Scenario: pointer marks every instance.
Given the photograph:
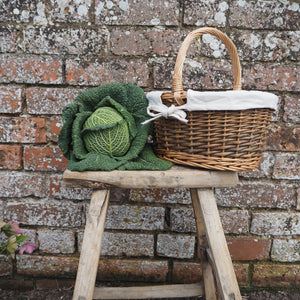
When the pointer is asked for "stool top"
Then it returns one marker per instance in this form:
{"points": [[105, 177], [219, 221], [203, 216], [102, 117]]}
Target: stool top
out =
{"points": [[176, 177]]}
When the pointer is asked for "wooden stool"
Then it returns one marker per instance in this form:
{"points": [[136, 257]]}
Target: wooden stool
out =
{"points": [[215, 257]]}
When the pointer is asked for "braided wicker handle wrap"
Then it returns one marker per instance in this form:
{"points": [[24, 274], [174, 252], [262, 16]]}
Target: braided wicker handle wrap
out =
{"points": [[177, 88]]}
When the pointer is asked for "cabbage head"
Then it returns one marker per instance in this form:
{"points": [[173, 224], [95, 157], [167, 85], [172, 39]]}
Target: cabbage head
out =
{"points": [[102, 130], [106, 132]]}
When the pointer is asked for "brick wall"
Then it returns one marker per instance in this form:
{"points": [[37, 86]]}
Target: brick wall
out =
{"points": [[51, 50]]}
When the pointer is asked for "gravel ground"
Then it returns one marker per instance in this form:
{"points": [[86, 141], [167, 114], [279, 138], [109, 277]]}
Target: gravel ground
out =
{"points": [[66, 294]]}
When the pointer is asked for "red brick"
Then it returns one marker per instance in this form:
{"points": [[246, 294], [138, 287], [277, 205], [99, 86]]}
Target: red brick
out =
{"points": [[18, 185], [132, 270], [265, 46], [178, 246], [241, 273], [71, 11], [269, 275], [291, 109], [10, 100], [235, 221], [275, 223], [197, 74], [6, 266], [44, 158], [264, 14], [30, 69], [10, 157], [54, 284], [130, 42], [165, 195], [278, 77], [98, 72], [23, 130], [286, 250], [45, 212], [298, 198], [283, 139], [11, 10], [16, 285], [47, 266], [56, 241], [287, 166], [59, 190], [248, 248], [141, 42], [56, 40], [182, 220], [256, 195], [49, 100], [186, 272], [264, 169], [8, 38], [156, 12], [135, 217], [54, 128], [205, 13], [127, 244]]}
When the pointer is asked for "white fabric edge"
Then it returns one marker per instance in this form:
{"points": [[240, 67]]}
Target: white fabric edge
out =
{"points": [[221, 100], [204, 101]]}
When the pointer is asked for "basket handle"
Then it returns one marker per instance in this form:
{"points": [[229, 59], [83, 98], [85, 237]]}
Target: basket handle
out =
{"points": [[177, 87]]}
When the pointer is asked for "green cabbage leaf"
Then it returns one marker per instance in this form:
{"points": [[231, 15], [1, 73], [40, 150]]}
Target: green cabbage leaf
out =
{"points": [[102, 131]]}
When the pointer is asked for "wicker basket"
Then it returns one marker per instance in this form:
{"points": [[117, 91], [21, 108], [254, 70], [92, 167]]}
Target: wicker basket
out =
{"points": [[219, 140]]}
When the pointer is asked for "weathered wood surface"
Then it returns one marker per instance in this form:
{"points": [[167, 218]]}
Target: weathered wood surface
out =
{"points": [[208, 277], [146, 292], [218, 249], [176, 177], [90, 250]]}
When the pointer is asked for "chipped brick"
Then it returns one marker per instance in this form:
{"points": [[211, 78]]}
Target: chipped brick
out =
{"points": [[59, 190], [8, 38]]}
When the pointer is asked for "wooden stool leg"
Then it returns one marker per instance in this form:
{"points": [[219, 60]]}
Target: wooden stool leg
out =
{"points": [[218, 249], [90, 250], [208, 277]]}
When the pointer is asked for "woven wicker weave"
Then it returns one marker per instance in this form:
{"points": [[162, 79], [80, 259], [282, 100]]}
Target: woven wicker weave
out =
{"points": [[219, 140]]}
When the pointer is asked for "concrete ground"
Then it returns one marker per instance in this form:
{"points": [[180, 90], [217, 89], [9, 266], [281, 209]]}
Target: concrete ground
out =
{"points": [[66, 294]]}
